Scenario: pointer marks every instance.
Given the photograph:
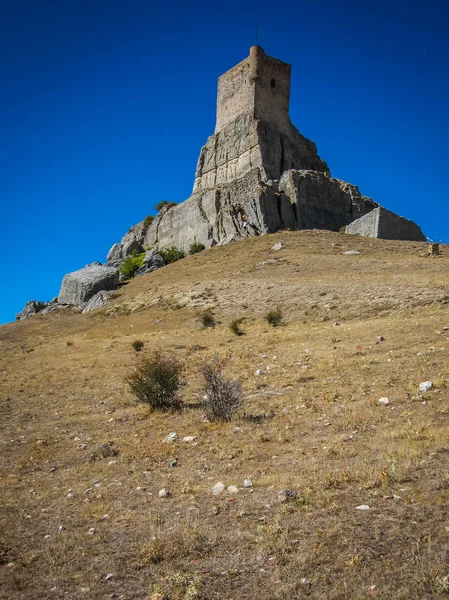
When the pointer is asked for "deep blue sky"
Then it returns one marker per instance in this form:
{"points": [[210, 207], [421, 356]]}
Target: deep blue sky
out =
{"points": [[104, 106]]}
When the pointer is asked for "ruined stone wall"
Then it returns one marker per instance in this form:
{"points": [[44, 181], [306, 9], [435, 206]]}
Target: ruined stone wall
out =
{"points": [[272, 96], [258, 86], [235, 95]]}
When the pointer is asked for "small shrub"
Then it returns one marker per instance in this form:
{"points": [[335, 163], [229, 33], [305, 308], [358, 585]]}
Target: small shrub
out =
{"points": [[171, 255], [196, 247], [137, 345], [160, 205], [147, 221], [235, 327], [207, 318], [274, 317], [223, 397], [131, 263], [156, 380]]}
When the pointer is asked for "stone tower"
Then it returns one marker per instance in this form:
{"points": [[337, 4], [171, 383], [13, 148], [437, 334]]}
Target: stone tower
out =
{"points": [[259, 86], [258, 164], [253, 127]]}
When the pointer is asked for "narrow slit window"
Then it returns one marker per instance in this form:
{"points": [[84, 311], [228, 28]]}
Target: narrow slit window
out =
{"points": [[273, 84]]}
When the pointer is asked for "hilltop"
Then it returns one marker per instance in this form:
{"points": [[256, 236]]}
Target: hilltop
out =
{"points": [[81, 455]]}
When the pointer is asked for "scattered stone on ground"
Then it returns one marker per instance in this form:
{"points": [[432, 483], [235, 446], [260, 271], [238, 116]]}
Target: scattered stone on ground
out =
{"points": [[383, 401], [218, 488], [247, 483], [425, 386], [170, 438]]}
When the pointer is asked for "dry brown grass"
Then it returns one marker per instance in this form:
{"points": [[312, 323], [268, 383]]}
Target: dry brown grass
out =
{"points": [[311, 424]]}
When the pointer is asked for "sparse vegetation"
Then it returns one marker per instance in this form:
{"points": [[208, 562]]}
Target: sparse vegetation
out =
{"points": [[131, 263], [235, 327], [223, 397], [207, 318], [137, 345], [274, 317], [147, 221], [160, 205], [196, 247], [156, 380], [311, 425], [171, 254]]}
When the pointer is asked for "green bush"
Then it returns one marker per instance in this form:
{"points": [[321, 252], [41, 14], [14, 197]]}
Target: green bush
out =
{"points": [[137, 345], [207, 318], [171, 255], [156, 380], [235, 327], [274, 317], [131, 263], [223, 398], [147, 221], [160, 205], [196, 247]]}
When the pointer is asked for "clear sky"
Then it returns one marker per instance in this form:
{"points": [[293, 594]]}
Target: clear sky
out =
{"points": [[105, 104]]}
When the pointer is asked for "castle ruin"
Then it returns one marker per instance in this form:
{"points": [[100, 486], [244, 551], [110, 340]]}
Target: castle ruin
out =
{"points": [[258, 164]]}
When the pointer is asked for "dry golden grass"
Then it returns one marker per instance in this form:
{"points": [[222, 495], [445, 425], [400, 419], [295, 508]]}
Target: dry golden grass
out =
{"points": [[78, 452]]}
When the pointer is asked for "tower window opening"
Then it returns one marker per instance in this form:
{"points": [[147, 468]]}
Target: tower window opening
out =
{"points": [[273, 84]]}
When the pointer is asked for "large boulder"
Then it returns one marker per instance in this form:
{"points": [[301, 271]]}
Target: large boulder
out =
{"points": [[32, 307], [115, 254], [80, 286], [132, 247], [97, 301], [151, 262], [384, 224]]}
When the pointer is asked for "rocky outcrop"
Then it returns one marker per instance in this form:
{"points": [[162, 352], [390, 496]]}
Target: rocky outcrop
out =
{"points": [[97, 301], [32, 307], [151, 262], [320, 202], [246, 144], [384, 224], [80, 286]]}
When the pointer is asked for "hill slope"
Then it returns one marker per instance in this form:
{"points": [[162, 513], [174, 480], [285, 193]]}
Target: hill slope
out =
{"points": [[79, 453]]}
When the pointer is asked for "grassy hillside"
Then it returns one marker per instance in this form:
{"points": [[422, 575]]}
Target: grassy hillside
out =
{"points": [[82, 463]]}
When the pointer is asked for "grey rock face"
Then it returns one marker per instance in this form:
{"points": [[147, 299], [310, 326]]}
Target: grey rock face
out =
{"points": [[115, 254], [246, 144], [32, 307], [132, 247], [80, 286], [152, 262], [97, 301], [320, 202], [384, 224]]}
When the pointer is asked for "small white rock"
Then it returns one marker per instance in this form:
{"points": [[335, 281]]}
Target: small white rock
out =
{"points": [[425, 386], [383, 401], [277, 246], [247, 483], [362, 507], [218, 488], [91, 531], [232, 489], [108, 577], [170, 438], [189, 438], [258, 372], [164, 493], [351, 252]]}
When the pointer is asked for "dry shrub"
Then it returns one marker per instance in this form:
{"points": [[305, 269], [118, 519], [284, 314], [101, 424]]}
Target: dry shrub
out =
{"points": [[274, 317], [137, 345], [181, 542], [207, 319], [156, 380], [223, 397], [235, 327]]}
